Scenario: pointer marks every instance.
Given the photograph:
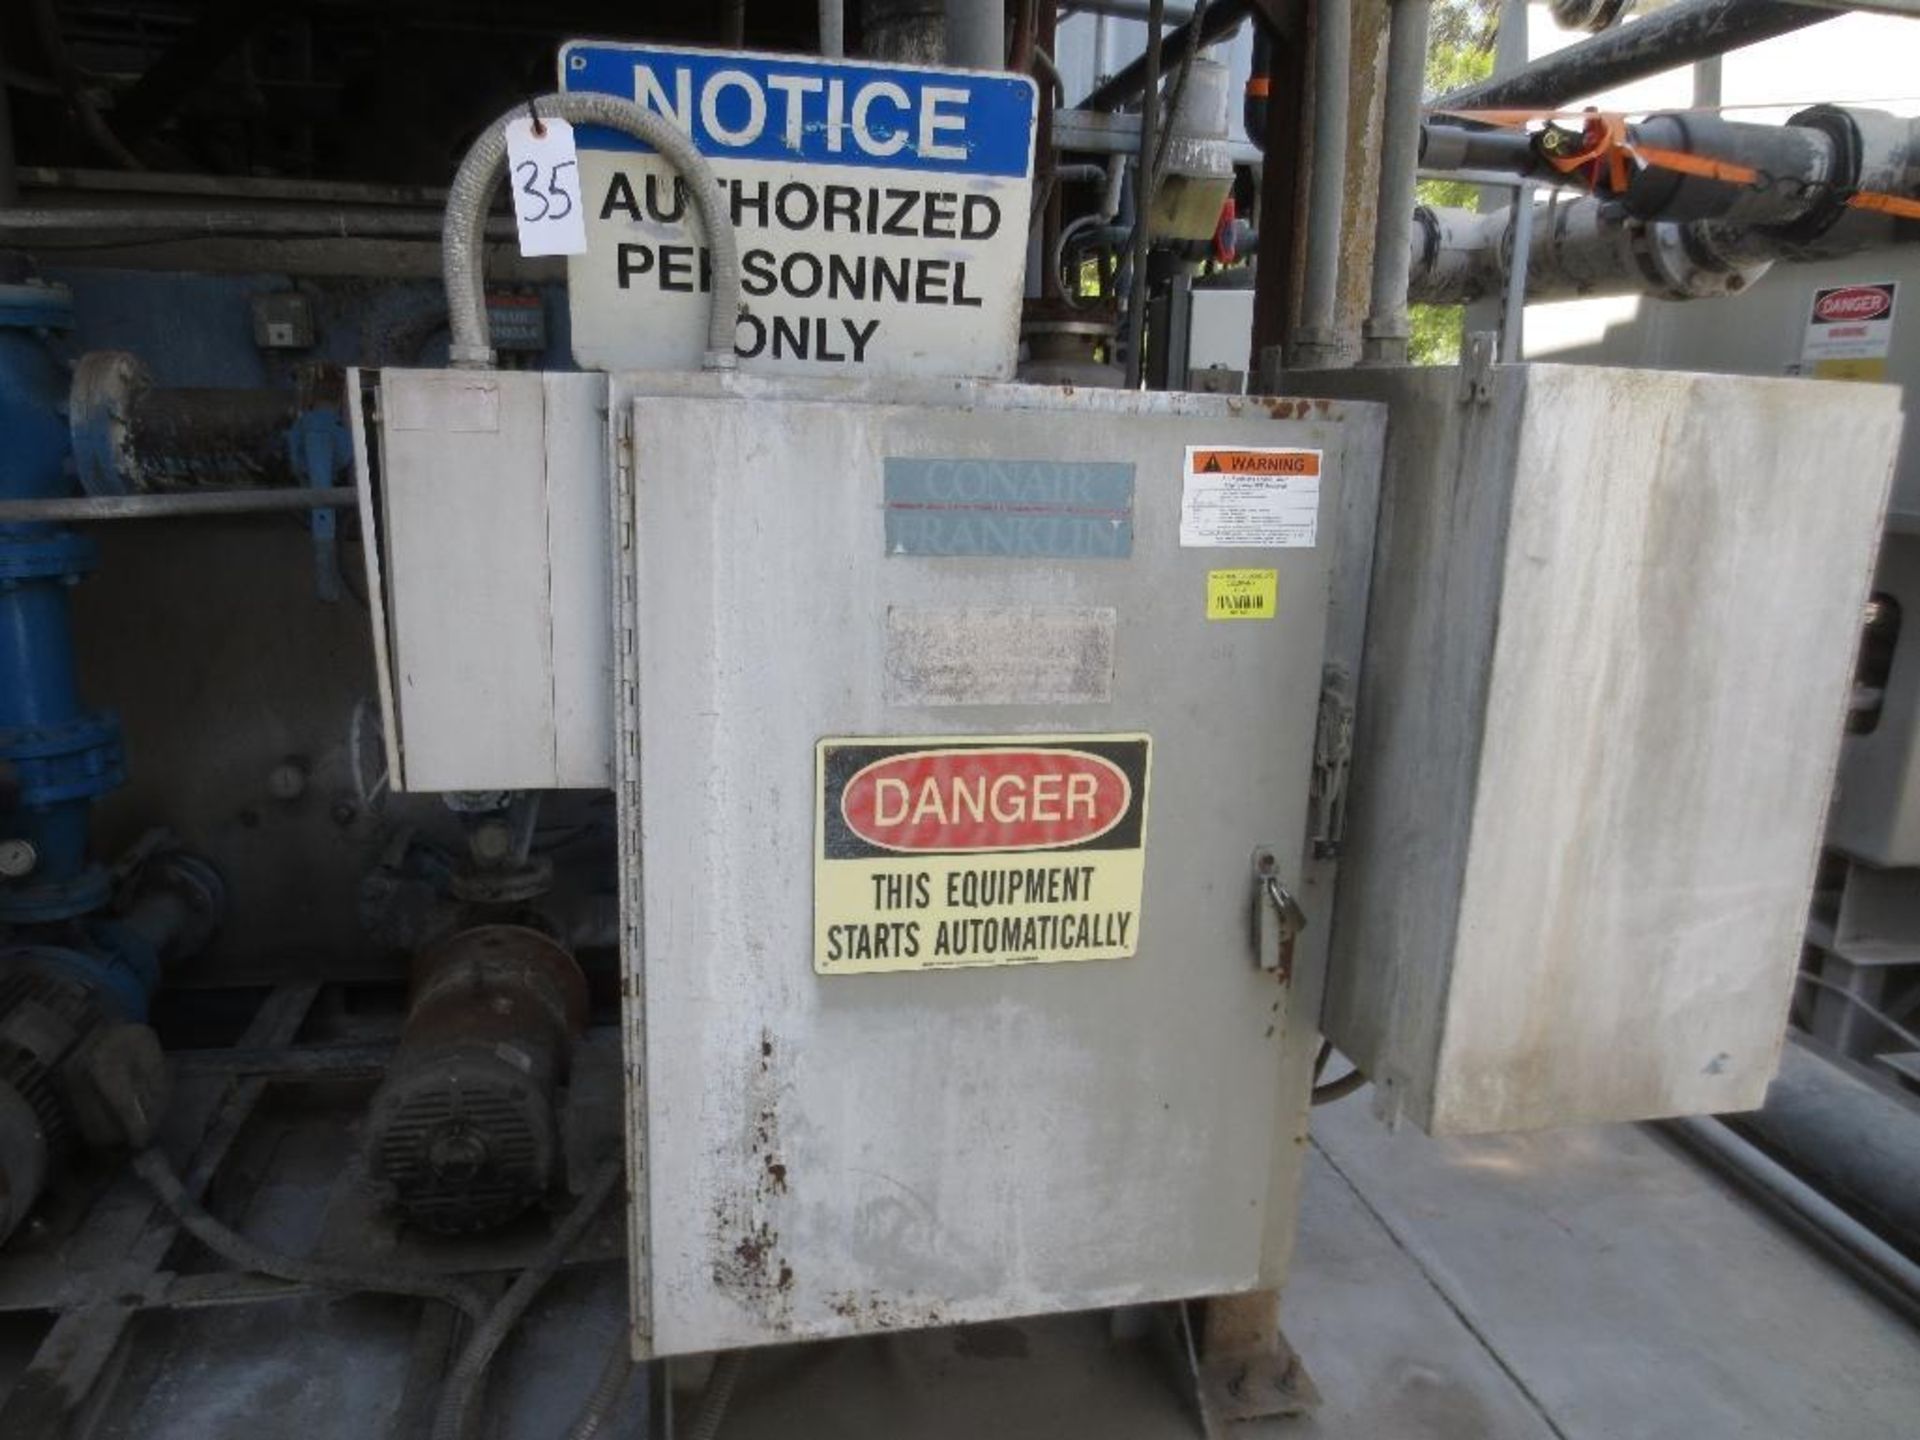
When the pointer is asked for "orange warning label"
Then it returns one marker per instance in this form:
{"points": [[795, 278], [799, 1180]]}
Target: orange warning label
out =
{"points": [[1255, 462]]}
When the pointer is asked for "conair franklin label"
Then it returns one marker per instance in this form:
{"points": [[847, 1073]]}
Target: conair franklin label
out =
{"points": [[937, 852]]}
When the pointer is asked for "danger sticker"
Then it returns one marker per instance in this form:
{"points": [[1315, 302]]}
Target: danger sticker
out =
{"points": [[936, 853], [1242, 594], [1849, 332], [1250, 498]]}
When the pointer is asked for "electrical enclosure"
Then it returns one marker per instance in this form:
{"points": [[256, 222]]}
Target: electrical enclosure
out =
{"points": [[1610, 653]]}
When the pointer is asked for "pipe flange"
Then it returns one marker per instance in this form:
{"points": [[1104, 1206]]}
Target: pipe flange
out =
{"points": [[46, 555], [50, 900], [54, 764], [36, 305]]}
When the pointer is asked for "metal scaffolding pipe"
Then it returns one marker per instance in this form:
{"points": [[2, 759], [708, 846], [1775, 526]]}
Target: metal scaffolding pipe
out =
{"points": [[1684, 32], [1386, 331], [1315, 342], [833, 28]]}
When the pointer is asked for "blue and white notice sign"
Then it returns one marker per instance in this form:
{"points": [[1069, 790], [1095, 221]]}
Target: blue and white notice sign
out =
{"points": [[882, 213]]}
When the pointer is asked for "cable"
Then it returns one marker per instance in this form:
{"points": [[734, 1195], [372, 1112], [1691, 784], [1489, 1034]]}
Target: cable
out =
{"points": [[1893, 1026], [716, 1397], [607, 1390], [1333, 1089], [1339, 1089], [152, 1166], [464, 1383], [1174, 95]]}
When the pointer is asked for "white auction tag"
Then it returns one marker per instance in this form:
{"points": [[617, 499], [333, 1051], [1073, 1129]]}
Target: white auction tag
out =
{"points": [[543, 172]]}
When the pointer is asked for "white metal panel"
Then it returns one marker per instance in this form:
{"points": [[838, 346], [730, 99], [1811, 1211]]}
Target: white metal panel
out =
{"points": [[1614, 620], [472, 652], [494, 490], [826, 1155]]}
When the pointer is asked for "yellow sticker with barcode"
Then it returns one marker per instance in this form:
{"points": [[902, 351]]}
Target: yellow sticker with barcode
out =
{"points": [[1242, 594]]}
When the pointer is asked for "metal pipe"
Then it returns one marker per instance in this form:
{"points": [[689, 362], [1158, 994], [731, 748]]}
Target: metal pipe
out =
{"points": [[177, 506], [1445, 147], [478, 179], [833, 28], [1848, 1138], [1386, 331], [1513, 310], [1576, 248], [977, 34], [1143, 170], [1877, 1265], [1221, 19], [292, 221], [1684, 32], [1315, 342]]}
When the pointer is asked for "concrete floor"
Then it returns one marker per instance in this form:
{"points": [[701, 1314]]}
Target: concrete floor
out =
{"points": [[1578, 1284]]}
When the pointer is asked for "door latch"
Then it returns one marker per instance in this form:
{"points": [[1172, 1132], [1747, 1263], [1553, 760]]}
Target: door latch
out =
{"points": [[1277, 918]]}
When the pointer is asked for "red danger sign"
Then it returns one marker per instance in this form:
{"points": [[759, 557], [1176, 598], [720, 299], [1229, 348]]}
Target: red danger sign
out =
{"points": [[979, 800], [938, 851], [1852, 303]]}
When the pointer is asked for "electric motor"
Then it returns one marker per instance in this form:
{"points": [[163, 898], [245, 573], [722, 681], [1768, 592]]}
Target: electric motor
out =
{"points": [[72, 1070], [463, 1135]]}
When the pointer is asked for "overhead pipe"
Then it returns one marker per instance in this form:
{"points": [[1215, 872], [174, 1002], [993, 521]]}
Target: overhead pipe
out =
{"points": [[1576, 249], [1684, 32], [1672, 234], [1385, 334], [1315, 341]]}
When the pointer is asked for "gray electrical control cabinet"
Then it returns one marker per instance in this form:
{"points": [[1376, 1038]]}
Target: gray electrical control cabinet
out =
{"points": [[1610, 654], [965, 739], [958, 724]]}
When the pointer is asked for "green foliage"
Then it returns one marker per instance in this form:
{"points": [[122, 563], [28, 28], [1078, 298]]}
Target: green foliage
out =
{"points": [[1459, 52]]}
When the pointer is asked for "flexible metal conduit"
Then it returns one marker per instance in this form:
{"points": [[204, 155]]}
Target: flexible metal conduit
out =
{"points": [[1387, 329], [480, 174]]}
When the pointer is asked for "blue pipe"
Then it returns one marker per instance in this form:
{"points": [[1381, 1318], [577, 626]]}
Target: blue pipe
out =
{"points": [[56, 755]]}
